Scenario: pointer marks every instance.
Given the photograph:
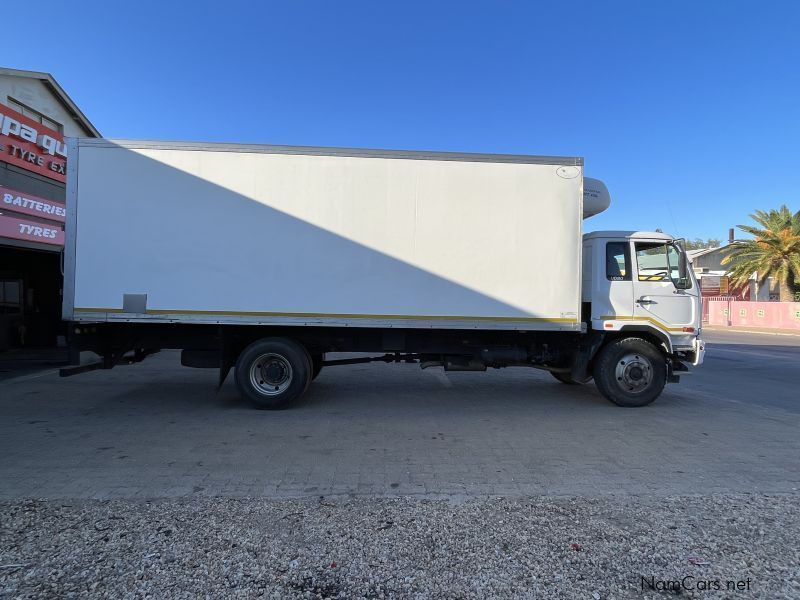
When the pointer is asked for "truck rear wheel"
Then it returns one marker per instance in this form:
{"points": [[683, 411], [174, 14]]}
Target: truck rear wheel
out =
{"points": [[630, 372], [273, 372]]}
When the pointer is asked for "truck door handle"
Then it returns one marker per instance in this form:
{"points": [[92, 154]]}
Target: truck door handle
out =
{"points": [[646, 300]]}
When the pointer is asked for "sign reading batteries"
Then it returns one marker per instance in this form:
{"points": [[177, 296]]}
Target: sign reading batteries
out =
{"points": [[15, 206], [31, 146], [29, 204]]}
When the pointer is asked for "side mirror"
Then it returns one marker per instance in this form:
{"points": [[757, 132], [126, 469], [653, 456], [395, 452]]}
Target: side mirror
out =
{"points": [[684, 283]]}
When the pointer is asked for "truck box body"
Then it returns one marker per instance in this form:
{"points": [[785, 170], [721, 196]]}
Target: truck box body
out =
{"points": [[218, 233]]}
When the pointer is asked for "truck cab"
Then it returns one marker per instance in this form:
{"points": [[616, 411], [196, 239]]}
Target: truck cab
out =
{"points": [[640, 283]]}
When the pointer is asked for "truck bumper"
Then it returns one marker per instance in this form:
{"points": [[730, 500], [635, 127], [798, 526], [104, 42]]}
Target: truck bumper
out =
{"points": [[699, 349]]}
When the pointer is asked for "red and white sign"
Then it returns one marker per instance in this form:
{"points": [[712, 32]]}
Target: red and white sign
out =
{"points": [[714, 285], [32, 146], [30, 231], [19, 202], [710, 285]]}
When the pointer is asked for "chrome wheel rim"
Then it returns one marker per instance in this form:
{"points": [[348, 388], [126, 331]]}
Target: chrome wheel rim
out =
{"points": [[270, 374], [634, 373]]}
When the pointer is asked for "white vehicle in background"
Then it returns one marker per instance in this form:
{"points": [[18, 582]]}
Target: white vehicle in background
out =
{"points": [[266, 258]]}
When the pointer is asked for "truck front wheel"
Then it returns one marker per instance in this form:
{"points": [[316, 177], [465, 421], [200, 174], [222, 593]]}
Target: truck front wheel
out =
{"points": [[630, 372], [273, 372]]}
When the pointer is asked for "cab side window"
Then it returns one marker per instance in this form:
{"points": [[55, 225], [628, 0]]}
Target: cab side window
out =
{"points": [[618, 261], [659, 261], [651, 260]]}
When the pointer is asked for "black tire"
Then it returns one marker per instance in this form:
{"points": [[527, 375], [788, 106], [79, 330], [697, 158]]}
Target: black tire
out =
{"points": [[630, 372], [316, 364], [310, 368], [273, 372], [564, 377]]}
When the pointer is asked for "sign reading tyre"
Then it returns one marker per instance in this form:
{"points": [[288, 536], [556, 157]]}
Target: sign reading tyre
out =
{"points": [[31, 146]]}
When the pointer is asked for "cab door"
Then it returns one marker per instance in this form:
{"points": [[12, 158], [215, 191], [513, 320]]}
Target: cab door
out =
{"points": [[665, 293], [612, 283]]}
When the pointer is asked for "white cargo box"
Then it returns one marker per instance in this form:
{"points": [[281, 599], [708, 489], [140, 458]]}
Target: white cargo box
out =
{"points": [[220, 233]]}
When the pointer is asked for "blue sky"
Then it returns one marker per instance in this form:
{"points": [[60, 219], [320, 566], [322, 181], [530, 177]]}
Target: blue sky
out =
{"points": [[690, 111]]}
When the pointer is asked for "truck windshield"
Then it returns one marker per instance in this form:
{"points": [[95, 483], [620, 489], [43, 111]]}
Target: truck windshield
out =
{"points": [[659, 261]]}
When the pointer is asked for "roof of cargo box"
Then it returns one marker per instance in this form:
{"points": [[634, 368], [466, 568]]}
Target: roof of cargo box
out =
{"points": [[328, 151], [636, 235]]}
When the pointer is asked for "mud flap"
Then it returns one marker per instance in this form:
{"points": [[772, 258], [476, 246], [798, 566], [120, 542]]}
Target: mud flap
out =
{"points": [[227, 359], [579, 369], [674, 370]]}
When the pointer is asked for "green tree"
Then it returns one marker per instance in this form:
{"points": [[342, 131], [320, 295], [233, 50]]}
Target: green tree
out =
{"points": [[773, 252], [698, 243]]}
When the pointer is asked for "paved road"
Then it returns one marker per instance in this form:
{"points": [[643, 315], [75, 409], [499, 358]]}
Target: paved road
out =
{"points": [[755, 369], [159, 430]]}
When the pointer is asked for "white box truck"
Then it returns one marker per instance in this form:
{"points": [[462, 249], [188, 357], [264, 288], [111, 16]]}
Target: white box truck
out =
{"points": [[263, 259]]}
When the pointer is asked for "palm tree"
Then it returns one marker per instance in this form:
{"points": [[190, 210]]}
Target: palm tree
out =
{"points": [[774, 251]]}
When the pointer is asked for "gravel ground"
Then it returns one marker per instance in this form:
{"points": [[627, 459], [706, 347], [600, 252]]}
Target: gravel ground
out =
{"points": [[400, 547]]}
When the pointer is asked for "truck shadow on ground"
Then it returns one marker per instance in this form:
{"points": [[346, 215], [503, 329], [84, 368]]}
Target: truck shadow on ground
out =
{"points": [[403, 389], [409, 390]]}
